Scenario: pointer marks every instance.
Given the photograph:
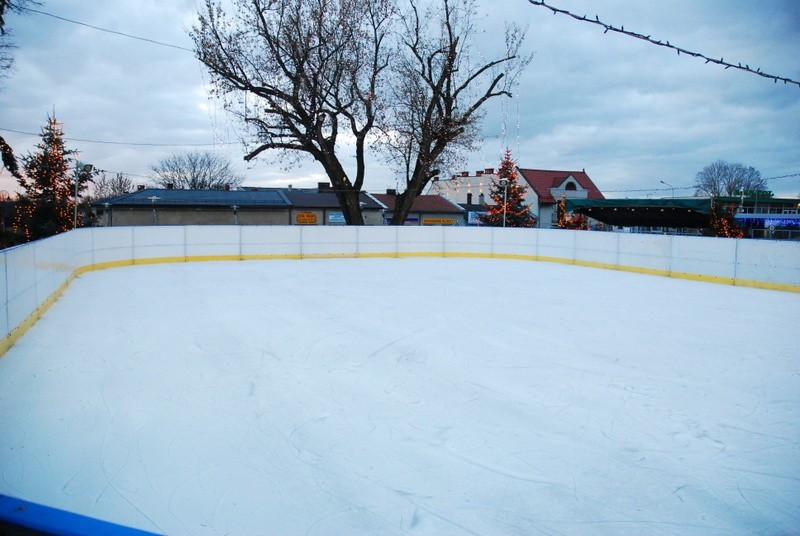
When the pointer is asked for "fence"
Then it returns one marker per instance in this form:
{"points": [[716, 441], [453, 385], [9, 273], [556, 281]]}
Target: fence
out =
{"points": [[36, 274]]}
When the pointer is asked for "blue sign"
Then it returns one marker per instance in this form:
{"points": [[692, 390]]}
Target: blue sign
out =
{"points": [[472, 218]]}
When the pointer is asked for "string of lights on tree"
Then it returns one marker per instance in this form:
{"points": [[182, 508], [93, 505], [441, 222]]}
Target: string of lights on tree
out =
{"points": [[509, 201], [568, 220], [48, 203], [723, 221]]}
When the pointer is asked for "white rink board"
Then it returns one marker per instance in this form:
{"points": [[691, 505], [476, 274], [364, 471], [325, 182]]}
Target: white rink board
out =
{"points": [[554, 243], [333, 240], [601, 248], [34, 272], [263, 240], [704, 255], [155, 242], [645, 251], [768, 261], [202, 240], [112, 244], [522, 242]]}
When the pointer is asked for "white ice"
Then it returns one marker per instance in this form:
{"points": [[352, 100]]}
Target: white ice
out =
{"points": [[395, 396]]}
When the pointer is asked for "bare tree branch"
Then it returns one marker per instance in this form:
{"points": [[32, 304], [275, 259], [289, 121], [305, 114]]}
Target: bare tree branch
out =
{"points": [[196, 170], [314, 68], [437, 96]]}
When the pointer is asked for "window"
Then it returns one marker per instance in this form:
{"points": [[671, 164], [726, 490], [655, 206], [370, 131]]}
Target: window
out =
{"points": [[570, 186]]}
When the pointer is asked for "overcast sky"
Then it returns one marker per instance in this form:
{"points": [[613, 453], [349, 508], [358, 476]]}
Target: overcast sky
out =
{"points": [[630, 113]]}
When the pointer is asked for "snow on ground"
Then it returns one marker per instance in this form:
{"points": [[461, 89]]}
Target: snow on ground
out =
{"points": [[395, 396]]}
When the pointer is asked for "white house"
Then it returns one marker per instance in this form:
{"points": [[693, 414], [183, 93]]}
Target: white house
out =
{"points": [[545, 188]]}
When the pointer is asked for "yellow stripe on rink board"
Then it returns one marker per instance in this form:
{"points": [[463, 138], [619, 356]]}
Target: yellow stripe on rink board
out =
{"points": [[15, 334]]}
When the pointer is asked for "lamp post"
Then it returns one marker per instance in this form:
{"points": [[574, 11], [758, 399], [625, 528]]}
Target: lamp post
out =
{"points": [[82, 172], [671, 186], [504, 185], [153, 199], [109, 221]]}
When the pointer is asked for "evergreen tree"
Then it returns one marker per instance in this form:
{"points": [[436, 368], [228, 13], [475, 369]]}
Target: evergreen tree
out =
{"points": [[48, 203], [566, 220], [723, 221], [509, 201]]}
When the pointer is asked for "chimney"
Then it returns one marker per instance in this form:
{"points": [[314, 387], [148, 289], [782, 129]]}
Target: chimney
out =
{"points": [[323, 186], [481, 199], [465, 173], [478, 173], [290, 188], [227, 187], [140, 187], [170, 186], [488, 171], [391, 191], [469, 199]]}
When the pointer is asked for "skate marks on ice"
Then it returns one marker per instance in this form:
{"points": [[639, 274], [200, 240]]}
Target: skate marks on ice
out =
{"points": [[236, 396]]}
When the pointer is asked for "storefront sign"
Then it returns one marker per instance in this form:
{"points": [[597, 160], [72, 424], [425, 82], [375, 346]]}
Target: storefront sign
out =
{"points": [[336, 217], [438, 221], [306, 218], [472, 218]]}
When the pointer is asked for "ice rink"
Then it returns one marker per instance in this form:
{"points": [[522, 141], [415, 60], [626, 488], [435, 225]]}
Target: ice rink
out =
{"points": [[397, 396]]}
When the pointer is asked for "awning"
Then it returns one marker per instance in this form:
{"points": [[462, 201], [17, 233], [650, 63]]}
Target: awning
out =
{"points": [[645, 212]]}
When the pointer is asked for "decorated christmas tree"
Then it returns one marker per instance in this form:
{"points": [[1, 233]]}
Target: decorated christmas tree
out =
{"points": [[723, 221], [509, 209], [47, 205], [568, 220]]}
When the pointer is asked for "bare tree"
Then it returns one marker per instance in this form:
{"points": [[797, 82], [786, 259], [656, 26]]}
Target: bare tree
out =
{"points": [[310, 72], [113, 186], [439, 92], [9, 161], [196, 170], [723, 178]]}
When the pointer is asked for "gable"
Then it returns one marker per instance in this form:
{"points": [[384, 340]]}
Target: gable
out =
{"points": [[542, 181]]}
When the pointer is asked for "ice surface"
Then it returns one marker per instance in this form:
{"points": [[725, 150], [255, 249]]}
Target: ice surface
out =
{"points": [[394, 396]]}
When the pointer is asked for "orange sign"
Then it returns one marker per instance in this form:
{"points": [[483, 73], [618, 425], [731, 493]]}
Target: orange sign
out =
{"points": [[438, 221], [306, 218]]}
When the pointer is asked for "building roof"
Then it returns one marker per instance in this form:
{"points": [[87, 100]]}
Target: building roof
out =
{"points": [[208, 198], [689, 212], [473, 207], [542, 180], [325, 198], [423, 203]]}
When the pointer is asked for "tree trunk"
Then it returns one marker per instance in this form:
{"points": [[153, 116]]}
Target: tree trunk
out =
{"points": [[349, 202], [347, 195], [403, 202]]}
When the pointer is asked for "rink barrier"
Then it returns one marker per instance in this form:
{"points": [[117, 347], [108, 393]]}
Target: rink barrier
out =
{"points": [[27, 518], [36, 274]]}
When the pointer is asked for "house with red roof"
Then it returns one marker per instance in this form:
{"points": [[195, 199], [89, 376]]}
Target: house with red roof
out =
{"points": [[426, 210], [545, 188]]}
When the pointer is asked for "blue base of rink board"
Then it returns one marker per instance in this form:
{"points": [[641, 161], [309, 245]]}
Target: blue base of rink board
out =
{"points": [[23, 518]]}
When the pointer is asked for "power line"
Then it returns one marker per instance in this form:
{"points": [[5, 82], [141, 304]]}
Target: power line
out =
{"points": [[132, 144], [622, 30], [783, 177], [64, 19], [690, 187]]}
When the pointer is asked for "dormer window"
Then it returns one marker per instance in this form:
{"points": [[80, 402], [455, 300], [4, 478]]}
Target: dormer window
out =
{"points": [[570, 186]]}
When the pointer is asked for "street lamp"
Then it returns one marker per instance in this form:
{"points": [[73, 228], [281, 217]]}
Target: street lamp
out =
{"points": [[109, 221], [504, 186], [153, 199], [82, 173], [671, 186]]}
